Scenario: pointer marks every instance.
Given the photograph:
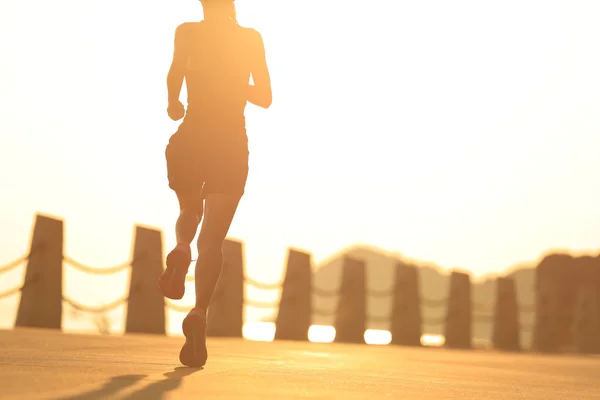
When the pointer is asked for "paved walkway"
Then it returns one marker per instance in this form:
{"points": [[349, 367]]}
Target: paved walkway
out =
{"points": [[51, 365]]}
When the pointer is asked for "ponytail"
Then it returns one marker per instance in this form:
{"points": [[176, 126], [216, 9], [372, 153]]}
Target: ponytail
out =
{"points": [[232, 12]]}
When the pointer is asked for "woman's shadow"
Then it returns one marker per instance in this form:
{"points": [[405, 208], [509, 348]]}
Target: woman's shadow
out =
{"points": [[154, 391]]}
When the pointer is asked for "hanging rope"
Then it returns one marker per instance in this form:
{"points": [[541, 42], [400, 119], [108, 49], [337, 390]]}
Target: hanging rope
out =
{"points": [[486, 308], [433, 303], [380, 293], [13, 264], [96, 270], [258, 304], [379, 318], [325, 293], [264, 286], [18, 289], [483, 319], [11, 292], [323, 313], [435, 321], [96, 309], [249, 281]]}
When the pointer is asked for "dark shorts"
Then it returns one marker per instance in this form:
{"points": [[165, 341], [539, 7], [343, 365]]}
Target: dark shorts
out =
{"points": [[207, 161]]}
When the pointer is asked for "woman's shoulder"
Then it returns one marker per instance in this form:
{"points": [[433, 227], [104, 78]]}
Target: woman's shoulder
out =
{"points": [[250, 33], [187, 27]]}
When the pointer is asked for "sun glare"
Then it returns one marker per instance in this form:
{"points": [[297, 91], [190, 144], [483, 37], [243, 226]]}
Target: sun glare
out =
{"points": [[379, 337], [259, 331], [265, 332], [432, 340], [321, 334]]}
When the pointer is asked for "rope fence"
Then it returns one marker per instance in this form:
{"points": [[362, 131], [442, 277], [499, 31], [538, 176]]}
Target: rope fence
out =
{"points": [[482, 313], [148, 264], [96, 309], [17, 290], [77, 265], [299, 299], [98, 271], [95, 270], [11, 266], [255, 304], [327, 293], [483, 310]]}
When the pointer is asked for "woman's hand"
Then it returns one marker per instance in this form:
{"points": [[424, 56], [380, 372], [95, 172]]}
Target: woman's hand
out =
{"points": [[176, 110]]}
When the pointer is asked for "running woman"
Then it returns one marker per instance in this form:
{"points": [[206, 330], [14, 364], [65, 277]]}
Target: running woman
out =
{"points": [[207, 158]]}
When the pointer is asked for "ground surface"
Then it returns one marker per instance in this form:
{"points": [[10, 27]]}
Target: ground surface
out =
{"points": [[51, 365]]}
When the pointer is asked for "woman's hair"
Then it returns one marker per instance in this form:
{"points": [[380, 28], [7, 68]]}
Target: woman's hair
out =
{"points": [[225, 6], [232, 12]]}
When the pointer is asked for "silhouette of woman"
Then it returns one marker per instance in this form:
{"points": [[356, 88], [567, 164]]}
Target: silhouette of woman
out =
{"points": [[207, 158]]}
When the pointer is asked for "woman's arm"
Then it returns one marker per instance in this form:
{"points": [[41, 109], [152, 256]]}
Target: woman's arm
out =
{"points": [[260, 93], [177, 73]]}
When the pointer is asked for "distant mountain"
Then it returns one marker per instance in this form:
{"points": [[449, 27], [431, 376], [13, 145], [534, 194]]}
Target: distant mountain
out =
{"points": [[434, 285]]}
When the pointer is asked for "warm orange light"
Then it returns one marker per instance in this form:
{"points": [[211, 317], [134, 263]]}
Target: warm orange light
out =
{"points": [[374, 336], [259, 331], [321, 334], [432, 340]]}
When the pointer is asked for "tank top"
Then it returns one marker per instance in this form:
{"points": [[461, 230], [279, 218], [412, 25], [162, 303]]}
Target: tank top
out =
{"points": [[217, 77]]}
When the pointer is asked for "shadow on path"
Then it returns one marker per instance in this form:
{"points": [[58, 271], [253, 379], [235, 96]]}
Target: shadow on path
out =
{"points": [[112, 386], [154, 391]]}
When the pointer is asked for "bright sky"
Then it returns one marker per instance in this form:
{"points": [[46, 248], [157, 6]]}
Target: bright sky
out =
{"points": [[459, 132]]}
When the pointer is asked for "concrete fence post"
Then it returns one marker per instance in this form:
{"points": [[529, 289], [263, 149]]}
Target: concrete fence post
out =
{"points": [[295, 309], [406, 309], [146, 304], [459, 313], [350, 320], [41, 297]]}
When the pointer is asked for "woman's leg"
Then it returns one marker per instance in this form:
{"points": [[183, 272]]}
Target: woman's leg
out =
{"points": [[191, 206], [218, 215], [172, 281]]}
